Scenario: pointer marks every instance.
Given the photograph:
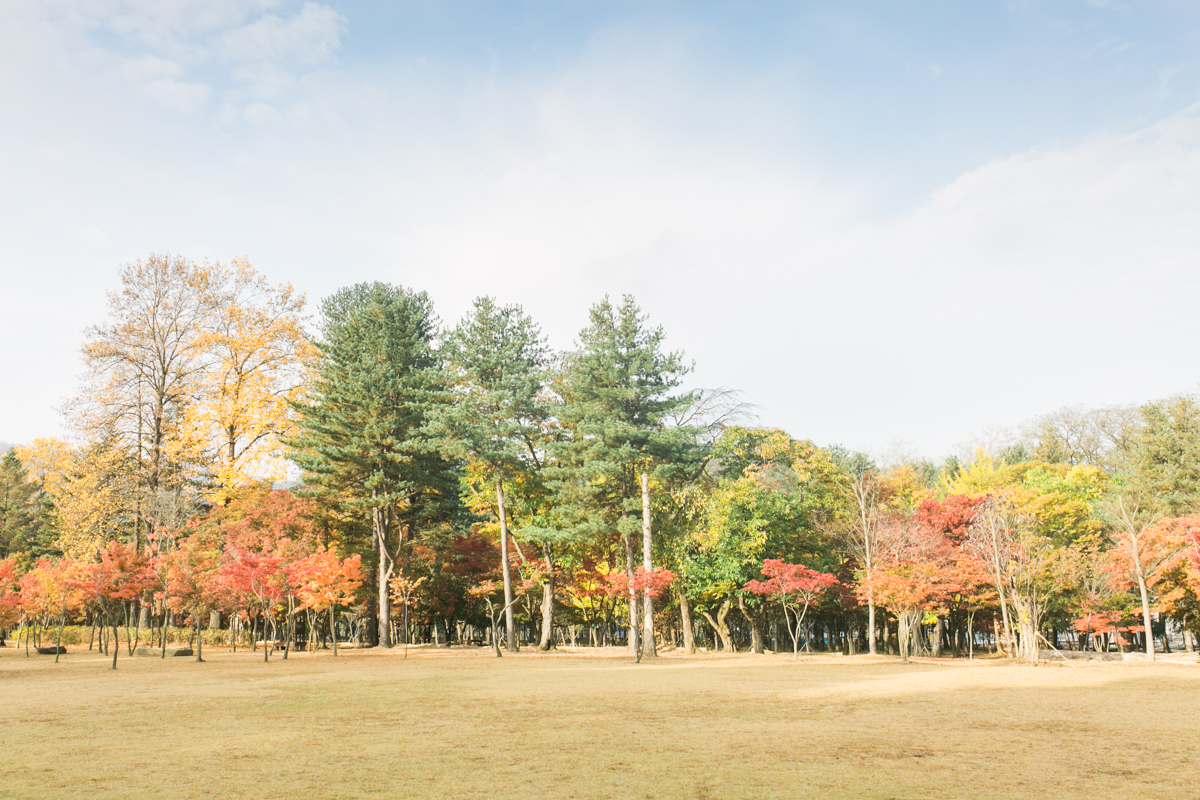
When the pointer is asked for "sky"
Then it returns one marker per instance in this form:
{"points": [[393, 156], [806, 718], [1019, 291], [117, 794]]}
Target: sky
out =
{"points": [[890, 226]]}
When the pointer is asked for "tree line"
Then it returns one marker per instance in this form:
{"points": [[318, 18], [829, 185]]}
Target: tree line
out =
{"points": [[233, 469]]}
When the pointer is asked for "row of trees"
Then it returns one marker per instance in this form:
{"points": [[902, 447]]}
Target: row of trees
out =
{"points": [[259, 560], [486, 482]]}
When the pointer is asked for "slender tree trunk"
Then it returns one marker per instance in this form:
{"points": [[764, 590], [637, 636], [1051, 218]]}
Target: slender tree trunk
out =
{"points": [[1189, 641], [199, 654], [649, 649], [333, 627], [1149, 637], [793, 633], [385, 574], [871, 646], [756, 638], [634, 650], [62, 621], [685, 616], [547, 640], [998, 574], [510, 627], [137, 632], [163, 635], [970, 635], [116, 641]]}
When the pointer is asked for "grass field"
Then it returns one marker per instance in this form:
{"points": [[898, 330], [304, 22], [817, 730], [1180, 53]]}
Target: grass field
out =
{"points": [[456, 723]]}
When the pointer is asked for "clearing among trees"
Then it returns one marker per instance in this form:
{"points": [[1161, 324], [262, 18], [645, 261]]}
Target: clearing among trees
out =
{"points": [[461, 723]]}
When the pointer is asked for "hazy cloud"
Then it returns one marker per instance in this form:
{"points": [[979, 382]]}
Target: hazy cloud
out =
{"points": [[1044, 276], [309, 37]]}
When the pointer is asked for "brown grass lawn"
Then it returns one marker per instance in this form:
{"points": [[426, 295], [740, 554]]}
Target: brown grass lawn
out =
{"points": [[462, 724]]}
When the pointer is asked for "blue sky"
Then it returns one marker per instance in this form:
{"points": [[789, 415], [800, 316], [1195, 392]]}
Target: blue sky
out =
{"points": [[890, 225]]}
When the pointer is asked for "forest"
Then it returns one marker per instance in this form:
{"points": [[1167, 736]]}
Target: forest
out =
{"points": [[242, 471]]}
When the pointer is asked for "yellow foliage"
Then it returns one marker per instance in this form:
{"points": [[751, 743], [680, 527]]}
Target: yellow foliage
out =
{"points": [[261, 359], [89, 489]]}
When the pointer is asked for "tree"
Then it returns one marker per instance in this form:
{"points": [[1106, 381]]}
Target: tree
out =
{"points": [[22, 517], [261, 576], [323, 582], [1145, 549], [362, 439], [191, 583], [88, 491], [258, 356], [864, 494], [772, 496], [10, 596], [1028, 568], [499, 414], [910, 576], [618, 392], [1165, 461], [144, 369], [120, 575], [795, 587]]}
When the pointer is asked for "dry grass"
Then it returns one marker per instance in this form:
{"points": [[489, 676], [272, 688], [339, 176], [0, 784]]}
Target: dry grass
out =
{"points": [[462, 724]]}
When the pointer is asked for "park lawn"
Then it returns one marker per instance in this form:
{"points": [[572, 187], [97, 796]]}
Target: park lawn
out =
{"points": [[459, 723]]}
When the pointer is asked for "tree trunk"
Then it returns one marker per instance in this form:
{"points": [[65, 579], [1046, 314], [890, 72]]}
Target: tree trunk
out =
{"points": [[116, 642], [62, 621], [721, 628], [685, 615], [871, 646], [1189, 642], [633, 600], [756, 638], [162, 633], [1149, 637], [510, 627], [648, 644], [266, 644], [385, 574], [939, 630], [547, 640], [196, 614], [291, 628], [333, 627], [970, 635]]}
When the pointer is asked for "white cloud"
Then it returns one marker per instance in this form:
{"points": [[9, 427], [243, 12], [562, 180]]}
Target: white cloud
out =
{"points": [[1059, 275], [178, 95], [311, 36]]}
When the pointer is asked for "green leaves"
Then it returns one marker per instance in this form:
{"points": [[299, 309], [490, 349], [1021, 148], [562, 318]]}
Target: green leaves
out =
{"points": [[363, 441], [618, 395], [497, 359]]}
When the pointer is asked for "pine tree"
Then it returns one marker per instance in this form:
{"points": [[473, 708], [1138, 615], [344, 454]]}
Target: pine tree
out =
{"points": [[498, 417], [24, 511], [619, 396], [363, 443]]}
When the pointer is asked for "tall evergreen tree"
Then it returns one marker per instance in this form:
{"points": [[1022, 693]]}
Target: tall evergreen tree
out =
{"points": [[25, 510], [1164, 465], [363, 443], [498, 416], [618, 391]]}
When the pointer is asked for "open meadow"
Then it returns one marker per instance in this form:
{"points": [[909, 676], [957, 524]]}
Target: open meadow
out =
{"points": [[460, 723]]}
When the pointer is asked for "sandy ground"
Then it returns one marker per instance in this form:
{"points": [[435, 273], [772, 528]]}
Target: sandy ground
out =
{"points": [[460, 723]]}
